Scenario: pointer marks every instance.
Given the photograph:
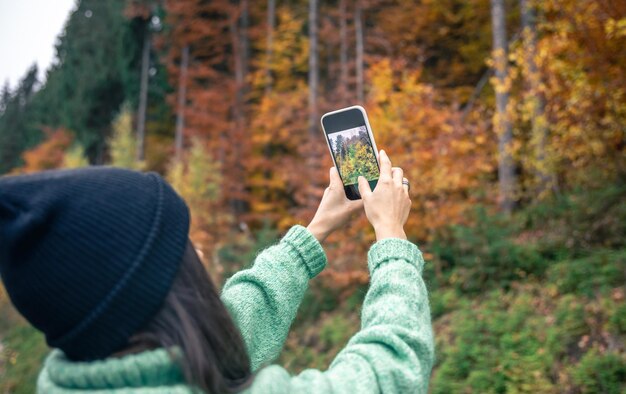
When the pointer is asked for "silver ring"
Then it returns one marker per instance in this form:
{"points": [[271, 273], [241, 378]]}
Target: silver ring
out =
{"points": [[406, 182]]}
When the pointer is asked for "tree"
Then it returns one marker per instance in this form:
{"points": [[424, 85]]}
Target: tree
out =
{"points": [[143, 92], [197, 178], [17, 131], [94, 53], [239, 35], [501, 122], [343, 50], [313, 67], [340, 147], [271, 25], [313, 145], [181, 102], [535, 98], [75, 157], [123, 145], [5, 97], [49, 154], [358, 29]]}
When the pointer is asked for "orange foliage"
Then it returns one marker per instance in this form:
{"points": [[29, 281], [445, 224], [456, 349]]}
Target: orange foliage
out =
{"points": [[49, 154], [423, 62], [447, 161]]}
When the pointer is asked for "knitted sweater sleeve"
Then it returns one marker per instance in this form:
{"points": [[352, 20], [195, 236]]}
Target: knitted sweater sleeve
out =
{"points": [[393, 352], [264, 299]]}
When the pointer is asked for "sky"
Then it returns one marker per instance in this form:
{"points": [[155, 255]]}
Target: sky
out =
{"points": [[347, 133], [28, 32]]}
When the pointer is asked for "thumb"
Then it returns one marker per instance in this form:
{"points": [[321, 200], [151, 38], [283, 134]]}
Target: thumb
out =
{"points": [[335, 179], [364, 187]]}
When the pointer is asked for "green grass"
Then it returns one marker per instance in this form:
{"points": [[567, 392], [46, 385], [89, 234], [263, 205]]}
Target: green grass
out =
{"points": [[23, 352]]}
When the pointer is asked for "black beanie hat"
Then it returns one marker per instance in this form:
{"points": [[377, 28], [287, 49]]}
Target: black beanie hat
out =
{"points": [[88, 256]]}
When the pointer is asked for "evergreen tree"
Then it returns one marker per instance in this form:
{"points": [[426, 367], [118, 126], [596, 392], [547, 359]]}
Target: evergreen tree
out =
{"points": [[5, 97], [98, 56], [15, 133]]}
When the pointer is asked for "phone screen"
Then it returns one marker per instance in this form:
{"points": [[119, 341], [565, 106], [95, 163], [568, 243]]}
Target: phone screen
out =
{"points": [[354, 154]]}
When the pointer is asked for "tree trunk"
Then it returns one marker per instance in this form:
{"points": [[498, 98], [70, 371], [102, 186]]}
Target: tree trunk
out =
{"points": [[244, 22], [311, 151], [535, 97], [313, 67], [143, 92], [358, 27], [343, 51], [238, 30], [182, 98], [502, 123], [271, 25]]}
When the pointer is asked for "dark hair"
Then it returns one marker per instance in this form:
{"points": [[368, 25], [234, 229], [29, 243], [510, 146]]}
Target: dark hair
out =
{"points": [[194, 319]]}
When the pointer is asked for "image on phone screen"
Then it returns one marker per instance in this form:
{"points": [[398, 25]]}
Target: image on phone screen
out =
{"points": [[354, 155]]}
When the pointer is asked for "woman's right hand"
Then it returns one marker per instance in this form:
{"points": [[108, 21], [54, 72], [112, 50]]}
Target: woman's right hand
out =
{"points": [[387, 207]]}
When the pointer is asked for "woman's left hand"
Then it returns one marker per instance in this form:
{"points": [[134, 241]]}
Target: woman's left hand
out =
{"points": [[335, 209]]}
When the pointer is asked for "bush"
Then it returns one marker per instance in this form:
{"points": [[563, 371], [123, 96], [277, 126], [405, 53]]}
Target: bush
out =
{"points": [[484, 254], [598, 272], [601, 373], [581, 220], [618, 319]]}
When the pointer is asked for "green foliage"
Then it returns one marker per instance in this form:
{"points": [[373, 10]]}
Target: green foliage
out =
{"points": [[575, 222], [601, 373], [484, 254], [512, 341], [123, 145], [87, 86], [598, 272], [17, 132], [319, 332], [355, 157], [618, 319], [96, 69], [237, 255]]}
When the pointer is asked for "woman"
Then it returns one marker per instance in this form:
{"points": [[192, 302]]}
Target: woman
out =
{"points": [[99, 260]]}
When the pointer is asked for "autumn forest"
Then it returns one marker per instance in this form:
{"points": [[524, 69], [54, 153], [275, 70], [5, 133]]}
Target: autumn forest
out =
{"points": [[507, 116]]}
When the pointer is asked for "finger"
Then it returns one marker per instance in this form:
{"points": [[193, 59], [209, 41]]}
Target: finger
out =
{"points": [[364, 187], [397, 174], [385, 165], [335, 179], [405, 184]]}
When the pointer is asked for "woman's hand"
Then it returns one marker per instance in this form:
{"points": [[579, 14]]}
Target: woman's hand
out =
{"points": [[387, 207], [335, 209]]}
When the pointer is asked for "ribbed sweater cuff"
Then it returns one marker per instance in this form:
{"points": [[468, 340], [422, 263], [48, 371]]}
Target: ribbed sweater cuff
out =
{"points": [[394, 249], [308, 249]]}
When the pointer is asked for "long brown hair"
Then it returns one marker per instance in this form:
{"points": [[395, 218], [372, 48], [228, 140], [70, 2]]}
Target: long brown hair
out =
{"points": [[194, 320]]}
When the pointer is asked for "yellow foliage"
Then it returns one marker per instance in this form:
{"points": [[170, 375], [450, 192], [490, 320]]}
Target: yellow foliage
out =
{"points": [[197, 178], [123, 145], [75, 157]]}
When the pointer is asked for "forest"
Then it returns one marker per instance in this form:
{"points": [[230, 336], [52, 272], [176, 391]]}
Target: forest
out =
{"points": [[354, 156], [507, 116]]}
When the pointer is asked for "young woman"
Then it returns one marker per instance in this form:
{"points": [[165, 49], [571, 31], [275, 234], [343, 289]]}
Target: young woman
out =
{"points": [[99, 260]]}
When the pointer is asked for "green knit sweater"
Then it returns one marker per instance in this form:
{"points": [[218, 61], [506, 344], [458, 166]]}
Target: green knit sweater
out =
{"points": [[392, 353]]}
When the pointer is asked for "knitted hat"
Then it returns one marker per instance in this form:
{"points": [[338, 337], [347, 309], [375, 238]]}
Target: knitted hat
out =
{"points": [[88, 256]]}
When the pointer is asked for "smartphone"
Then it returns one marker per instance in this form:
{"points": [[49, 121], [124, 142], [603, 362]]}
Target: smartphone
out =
{"points": [[352, 147]]}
